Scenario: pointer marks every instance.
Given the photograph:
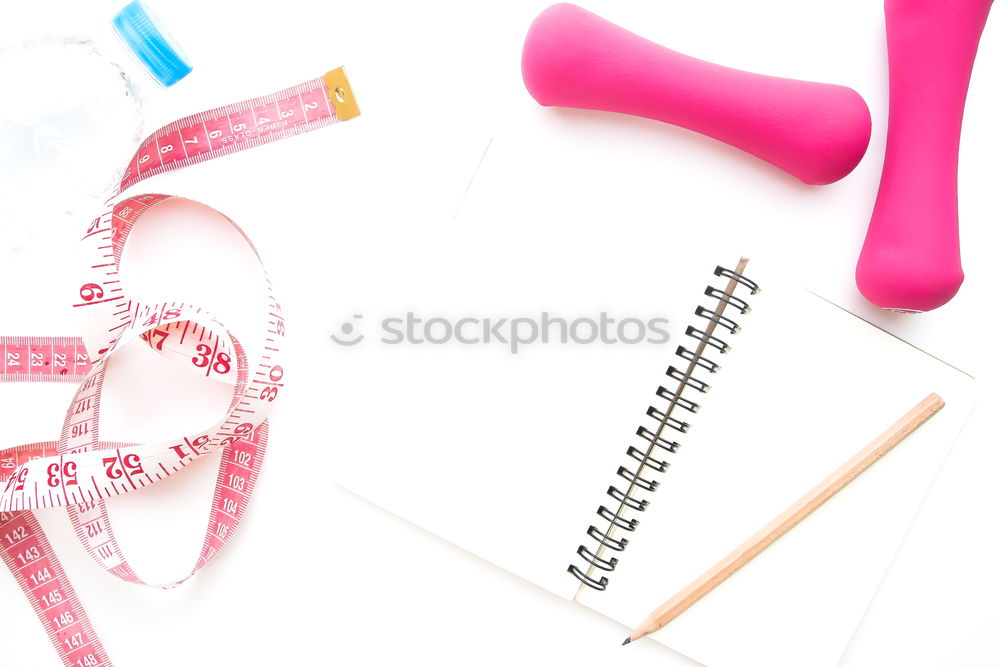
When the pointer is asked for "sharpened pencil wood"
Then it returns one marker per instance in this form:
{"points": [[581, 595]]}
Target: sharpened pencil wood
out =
{"points": [[788, 519]]}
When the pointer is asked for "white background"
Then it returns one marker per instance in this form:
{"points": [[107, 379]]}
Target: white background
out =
{"points": [[317, 576]]}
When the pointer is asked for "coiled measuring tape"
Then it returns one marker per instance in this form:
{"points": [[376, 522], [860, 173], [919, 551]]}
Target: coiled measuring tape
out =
{"points": [[80, 471]]}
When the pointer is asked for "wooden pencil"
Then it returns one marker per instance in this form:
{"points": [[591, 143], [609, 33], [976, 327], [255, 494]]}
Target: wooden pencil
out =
{"points": [[788, 519]]}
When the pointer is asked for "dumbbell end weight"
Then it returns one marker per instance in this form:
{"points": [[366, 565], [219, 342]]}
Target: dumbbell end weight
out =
{"points": [[908, 279]]}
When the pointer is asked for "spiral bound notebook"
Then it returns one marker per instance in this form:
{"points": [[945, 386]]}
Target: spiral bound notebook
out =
{"points": [[552, 456], [534, 461], [650, 456]]}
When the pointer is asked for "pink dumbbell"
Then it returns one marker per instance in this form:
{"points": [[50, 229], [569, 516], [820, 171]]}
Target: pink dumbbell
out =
{"points": [[817, 132], [910, 261]]}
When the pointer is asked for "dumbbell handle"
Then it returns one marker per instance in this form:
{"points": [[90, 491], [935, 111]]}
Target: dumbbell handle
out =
{"points": [[818, 132], [910, 260]]}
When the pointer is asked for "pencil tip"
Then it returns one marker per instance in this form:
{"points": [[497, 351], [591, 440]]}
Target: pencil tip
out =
{"points": [[627, 640]]}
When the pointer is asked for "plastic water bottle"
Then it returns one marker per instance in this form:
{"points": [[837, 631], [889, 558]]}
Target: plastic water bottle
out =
{"points": [[71, 118]]}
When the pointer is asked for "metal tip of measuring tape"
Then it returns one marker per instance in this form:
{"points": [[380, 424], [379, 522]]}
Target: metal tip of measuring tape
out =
{"points": [[338, 88]]}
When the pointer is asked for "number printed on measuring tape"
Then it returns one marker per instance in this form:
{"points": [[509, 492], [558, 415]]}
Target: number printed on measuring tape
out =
{"points": [[80, 471]]}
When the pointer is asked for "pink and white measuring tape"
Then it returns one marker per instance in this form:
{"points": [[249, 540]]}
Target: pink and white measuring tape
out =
{"points": [[80, 471]]}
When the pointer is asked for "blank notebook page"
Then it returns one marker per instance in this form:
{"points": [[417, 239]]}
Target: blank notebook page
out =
{"points": [[503, 454], [805, 387]]}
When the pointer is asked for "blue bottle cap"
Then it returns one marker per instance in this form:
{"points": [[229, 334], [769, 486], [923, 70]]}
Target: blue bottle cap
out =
{"points": [[150, 43]]}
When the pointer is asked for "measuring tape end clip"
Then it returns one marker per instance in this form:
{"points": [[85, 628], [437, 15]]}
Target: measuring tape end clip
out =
{"points": [[341, 96]]}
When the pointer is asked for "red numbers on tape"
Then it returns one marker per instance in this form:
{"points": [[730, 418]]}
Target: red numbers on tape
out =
{"points": [[212, 133], [43, 360], [25, 550], [80, 470]]}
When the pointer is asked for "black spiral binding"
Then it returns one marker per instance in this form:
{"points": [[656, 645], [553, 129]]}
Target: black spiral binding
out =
{"points": [[649, 457]]}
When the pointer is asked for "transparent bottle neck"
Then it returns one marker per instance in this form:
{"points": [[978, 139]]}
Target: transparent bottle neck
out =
{"points": [[113, 47]]}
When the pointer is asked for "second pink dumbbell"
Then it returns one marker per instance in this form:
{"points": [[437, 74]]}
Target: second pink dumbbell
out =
{"points": [[911, 260]]}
